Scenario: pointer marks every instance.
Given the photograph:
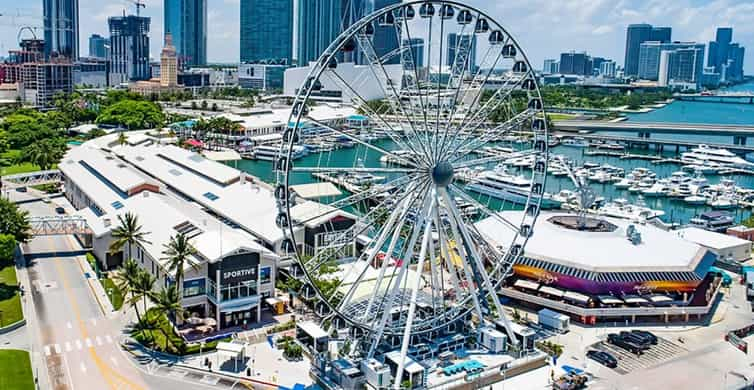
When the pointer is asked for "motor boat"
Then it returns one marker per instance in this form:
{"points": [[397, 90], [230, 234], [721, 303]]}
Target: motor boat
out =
{"points": [[696, 200], [706, 155]]}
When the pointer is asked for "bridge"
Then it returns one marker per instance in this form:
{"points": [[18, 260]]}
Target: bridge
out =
{"points": [[58, 225], [663, 144], [720, 97], [646, 128], [31, 179]]}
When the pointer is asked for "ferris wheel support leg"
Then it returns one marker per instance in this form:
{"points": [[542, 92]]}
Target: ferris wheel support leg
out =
{"points": [[480, 265], [380, 329], [444, 249], [412, 305]]}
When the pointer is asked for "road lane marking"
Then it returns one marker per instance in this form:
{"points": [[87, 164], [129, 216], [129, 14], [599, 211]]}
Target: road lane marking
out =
{"points": [[115, 361], [78, 345], [88, 342], [47, 350], [109, 339], [98, 340], [94, 322], [68, 347], [57, 348], [83, 367]]}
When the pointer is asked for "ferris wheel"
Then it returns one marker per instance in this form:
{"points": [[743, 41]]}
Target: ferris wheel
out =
{"points": [[401, 257]]}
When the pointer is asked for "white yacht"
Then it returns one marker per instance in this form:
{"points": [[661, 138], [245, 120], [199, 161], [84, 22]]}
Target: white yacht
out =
{"points": [[620, 208], [722, 202], [500, 184], [706, 155], [695, 200], [625, 182], [271, 152], [659, 188], [576, 142]]}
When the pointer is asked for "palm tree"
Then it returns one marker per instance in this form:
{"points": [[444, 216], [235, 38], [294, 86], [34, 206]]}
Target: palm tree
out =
{"points": [[128, 232], [44, 153], [168, 300], [125, 280], [122, 139], [144, 287], [178, 253]]}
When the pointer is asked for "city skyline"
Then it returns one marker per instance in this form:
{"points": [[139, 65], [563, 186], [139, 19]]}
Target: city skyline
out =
{"points": [[596, 27]]}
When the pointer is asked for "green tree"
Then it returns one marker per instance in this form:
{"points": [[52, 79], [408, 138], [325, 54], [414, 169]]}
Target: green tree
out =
{"points": [[7, 248], [144, 288], [126, 279], [204, 105], [122, 138], [178, 253], [44, 153], [127, 233], [168, 300], [133, 114], [14, 221]]}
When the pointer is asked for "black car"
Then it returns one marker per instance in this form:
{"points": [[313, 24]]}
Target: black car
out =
{"points": [[603, 358], [628, 345], [636, 338], [60, 210], [647, 335]]}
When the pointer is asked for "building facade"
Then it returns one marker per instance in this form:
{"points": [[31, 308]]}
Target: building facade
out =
{"points": [[415, 54], [186, 22], [319, 23], [551, 66], [264, 77], [682, 67], [385, 41], [98, 46], [607, 69], [575, 63], [42, 80], [267, 31], [651, 53], [636, 34], [129, 48], [91, 72], [61, 28]]}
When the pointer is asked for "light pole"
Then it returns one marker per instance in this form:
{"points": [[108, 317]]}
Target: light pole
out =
{"points": [[201, 347]]}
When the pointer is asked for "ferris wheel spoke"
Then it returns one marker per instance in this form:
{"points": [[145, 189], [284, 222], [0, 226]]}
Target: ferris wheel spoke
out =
{"points": [[487, 160], [393, 97], [470, 144], [362, 142], [352, 170], [417, 81], [445, 253], [400, 138], [501, 96], [494, 214]]}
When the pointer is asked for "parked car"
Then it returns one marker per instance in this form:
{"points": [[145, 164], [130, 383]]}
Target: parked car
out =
{"points": [[628, 345], [647, 335], [603, 358], [636, 338], [60, 210], [21, 189]]}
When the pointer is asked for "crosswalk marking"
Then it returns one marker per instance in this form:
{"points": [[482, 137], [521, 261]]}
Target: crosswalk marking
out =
{"points": [[69, 325], [68, 346], [88, 342], [57, 348], [47, 350], [98, 340], [83, 367], [78, 345], [108, 339]]}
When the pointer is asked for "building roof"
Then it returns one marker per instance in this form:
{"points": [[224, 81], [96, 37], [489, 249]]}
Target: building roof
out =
{"points": [[710, 239], [197, 163], [598, 251], [279, 117], [312, 329]]}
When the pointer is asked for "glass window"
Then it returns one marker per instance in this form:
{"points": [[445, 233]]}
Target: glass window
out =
{"points": [[264, 275], [192, 288]]}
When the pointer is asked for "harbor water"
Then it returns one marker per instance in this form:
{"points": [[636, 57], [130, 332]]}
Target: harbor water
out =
{"points": [[676, 210]]}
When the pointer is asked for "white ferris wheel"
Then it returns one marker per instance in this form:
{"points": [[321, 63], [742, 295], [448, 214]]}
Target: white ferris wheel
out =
{"points": [[410, 263]]}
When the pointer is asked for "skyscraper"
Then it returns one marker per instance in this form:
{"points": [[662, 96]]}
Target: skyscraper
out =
{"points": [[129, 48], [98, 46], [319, 23], [186, 22], [461, 50], [267, 31], [681, 65], [636, 34], [385, 39], [726, 57], [575, 63], [651, 54], [551, 66], [61, 28]]}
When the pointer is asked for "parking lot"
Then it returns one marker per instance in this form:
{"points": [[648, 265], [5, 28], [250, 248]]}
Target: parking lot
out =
{"points": [[655, 355]]}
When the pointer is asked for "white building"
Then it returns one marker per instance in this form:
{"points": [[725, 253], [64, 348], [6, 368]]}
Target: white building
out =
{"points": [[274, 121], [725, 246], [359, 79]]}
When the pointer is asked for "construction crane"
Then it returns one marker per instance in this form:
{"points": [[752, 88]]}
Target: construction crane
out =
{"points": [[139, 4]]}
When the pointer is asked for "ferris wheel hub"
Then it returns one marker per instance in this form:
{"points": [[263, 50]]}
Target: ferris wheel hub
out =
{"points": [[442, 173]]}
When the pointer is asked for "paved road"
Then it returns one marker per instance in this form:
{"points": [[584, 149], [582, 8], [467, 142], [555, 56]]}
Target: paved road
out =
{"points": [[78, 344]]}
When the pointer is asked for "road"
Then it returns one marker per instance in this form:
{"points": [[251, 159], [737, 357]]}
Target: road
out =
{"points": [[78, 344]]}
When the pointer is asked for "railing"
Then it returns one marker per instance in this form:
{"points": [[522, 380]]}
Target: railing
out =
{"points": [[58, 225], [32, 178]]}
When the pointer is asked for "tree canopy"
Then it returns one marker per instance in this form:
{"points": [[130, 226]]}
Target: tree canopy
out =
{"points": [[14, 221], [132, 114]]}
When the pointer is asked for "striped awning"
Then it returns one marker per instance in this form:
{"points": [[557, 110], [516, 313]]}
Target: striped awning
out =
{"points": [[551, 291], [611, 277]]}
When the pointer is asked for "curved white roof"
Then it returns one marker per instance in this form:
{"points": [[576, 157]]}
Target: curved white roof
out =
{"points": [[599, 251]]}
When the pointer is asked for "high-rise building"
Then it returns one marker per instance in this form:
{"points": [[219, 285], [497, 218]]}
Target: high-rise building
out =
{"points": [[61, 28], [607, 68], [319, 23], [649, 56], [353, 11], [461, 51], [636, 34], [98, 46], [129, 48], [726, 57], [186, 22], [168, 63], [681, 66], [575, 63], [267, 31], [551, 66], [385, 40]]}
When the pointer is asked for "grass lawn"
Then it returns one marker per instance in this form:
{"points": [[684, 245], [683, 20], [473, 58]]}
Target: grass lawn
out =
{"points": [[175, 344], [10, 300], [116, 298], [15, 367], [560, 117]]}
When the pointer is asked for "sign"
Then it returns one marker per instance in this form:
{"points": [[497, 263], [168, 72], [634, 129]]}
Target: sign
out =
{"points": [[237, 269]]}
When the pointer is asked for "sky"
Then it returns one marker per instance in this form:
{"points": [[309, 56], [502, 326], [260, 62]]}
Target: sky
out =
{"points": [[544, 28]]}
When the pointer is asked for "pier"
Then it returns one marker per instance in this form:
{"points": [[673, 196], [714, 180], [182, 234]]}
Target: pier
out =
{"points": [[733, 98], [645, 129], [660, 144]]}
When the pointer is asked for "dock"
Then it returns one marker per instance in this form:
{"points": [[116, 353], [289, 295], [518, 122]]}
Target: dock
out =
{"points": [[338, 181], [621, 155]]}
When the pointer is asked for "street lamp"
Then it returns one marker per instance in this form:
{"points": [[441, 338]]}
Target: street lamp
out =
{"points": [[201, 347]]}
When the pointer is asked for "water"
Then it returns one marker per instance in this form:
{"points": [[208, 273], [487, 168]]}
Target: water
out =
{"points": [[676, 211]]}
